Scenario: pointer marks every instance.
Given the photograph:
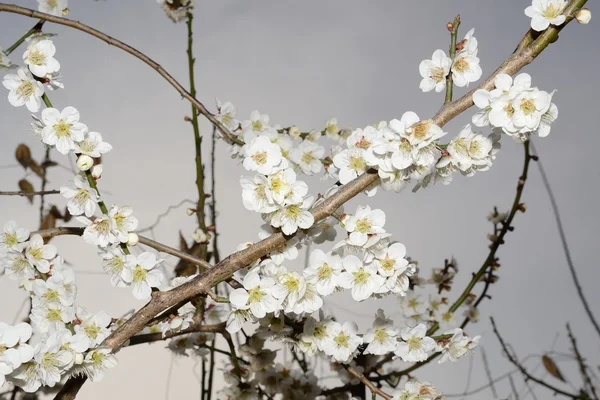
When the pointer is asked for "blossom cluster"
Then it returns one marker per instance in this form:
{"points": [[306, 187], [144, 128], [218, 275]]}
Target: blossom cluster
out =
{"points": [[69, 335], [464, 67]]}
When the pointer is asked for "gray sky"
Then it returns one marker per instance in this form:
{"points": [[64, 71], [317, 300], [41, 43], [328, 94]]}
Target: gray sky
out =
{"points": [[301, 63]]}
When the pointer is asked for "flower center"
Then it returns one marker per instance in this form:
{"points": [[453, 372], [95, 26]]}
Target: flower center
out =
{"points": [[387, 264], [52, 3], [49, 361], [260, 157], [363, 143], [357, 164], [421, 129], [103, 226], [257, 126], [92, 331], [98, 358], [509, 110], [552, 11], [62, 129], [307, 157], [26, 89], [527, 106], [342, 340], [461, 65], [381, 335], [11, 239], [292, 212], [227, 119], [325, 272], [51, 296], [82, 197], [139, 274], [414, 343], [87, 145], [292, 284], [36, 58], [35, 253], [363, 225], [437, 74], [320, 332], [361, 277], [255, 295], [54, 316]]}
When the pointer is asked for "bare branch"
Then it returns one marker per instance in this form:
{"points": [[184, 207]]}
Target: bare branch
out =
{"points": [[25, 194], [526, 374]]}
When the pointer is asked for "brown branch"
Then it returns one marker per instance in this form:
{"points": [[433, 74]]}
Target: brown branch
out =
{"points": [[157, 336], [128, 49], [524, 372], [24, 194], [71, 230], [374, 389]]}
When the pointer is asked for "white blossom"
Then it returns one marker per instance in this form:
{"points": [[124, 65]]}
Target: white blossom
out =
{"points": [[12, 237], [143, 273], [62, 128], [82, 198], [362, 279], [39, 56], [546, 12], [256, 295], [92, 145], [415, 345], [54, 7], [323, 271], [434, 72], [24, 90], [39, 254]]}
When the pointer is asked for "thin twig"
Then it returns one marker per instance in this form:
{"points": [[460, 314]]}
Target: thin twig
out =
{"points": [[25, 194], [164, 214], [523, 371], [449, 83], [565, 246], [368, 383], [583, 368]]}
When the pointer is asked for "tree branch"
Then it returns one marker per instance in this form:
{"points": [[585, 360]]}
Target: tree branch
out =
{"points": [[134, 52], [25, 194]]}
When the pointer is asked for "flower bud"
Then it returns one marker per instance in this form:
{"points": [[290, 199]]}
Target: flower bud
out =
{"points": [[294, 132], [78, 358], [190, 211], [583, 16], [97, 171], [84, 162], [132, 239], [200, 236]]}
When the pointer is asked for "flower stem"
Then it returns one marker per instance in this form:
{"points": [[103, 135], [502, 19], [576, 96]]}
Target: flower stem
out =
{"points": [[453, 33], [36, 28]]}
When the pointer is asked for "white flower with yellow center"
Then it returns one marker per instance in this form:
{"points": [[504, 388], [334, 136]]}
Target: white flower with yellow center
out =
{"points": [[363, 223], [262, 156], [323, 270], [113, 263], [434, 72], [351, 164], [332, 129], [309, 302], [12, 237], [82, 198], [96, 361], [289, 289], [546, 121], [308, 156], [469, 148], [54, 7], [226, 115], [51, 316], [40, 254], [92, 145], [465, 69], [52, 361], [24, 90], [257, 125], [93, 326], [254, 194], [391, 259], [413, 306], [256, 295], [17, 267], [13, 349], [39, 56], [382, 336], [123, 222], [529, 107], [292, 217], [51, 291], [344, 341], [280, 184], [62, 129], [362, 279], [143, 273], [414, 390], [415, 345], [98, 232], [457, 346], [546, 12]]}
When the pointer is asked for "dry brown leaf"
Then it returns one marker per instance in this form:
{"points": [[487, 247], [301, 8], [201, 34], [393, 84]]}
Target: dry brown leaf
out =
{"points": [[23, 155], [27, 187], [552, 368]]}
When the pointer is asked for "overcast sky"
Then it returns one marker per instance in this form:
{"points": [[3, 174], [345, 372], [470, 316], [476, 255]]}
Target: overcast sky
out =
{"points": [[301, 63]]}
